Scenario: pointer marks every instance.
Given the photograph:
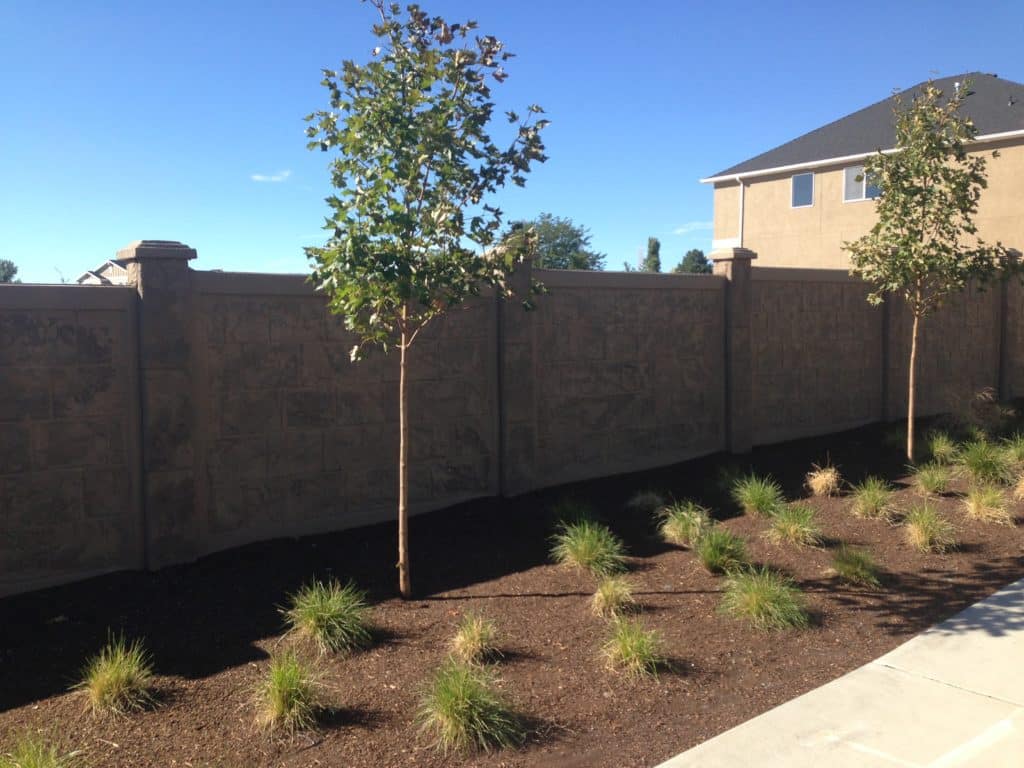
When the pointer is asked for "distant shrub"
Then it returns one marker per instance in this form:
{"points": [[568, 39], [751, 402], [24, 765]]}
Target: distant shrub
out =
{"points": [[757, 495], [928, 531], [932, 479], [589, 546], [795, 524], [462, 710], [119, 679], [721, 550], [765, 598], [633, 649], [856, 566], [987, 504], [871, 499], [475, 639], [941, 447], [333, 616], [32, 751], [824, 481], [613, 597], [288, 697], [984, 462], [683, 522], [645, 503]]}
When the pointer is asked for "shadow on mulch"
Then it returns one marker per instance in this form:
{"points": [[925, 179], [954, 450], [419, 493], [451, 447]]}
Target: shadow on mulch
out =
{"points": [[201, 618]]}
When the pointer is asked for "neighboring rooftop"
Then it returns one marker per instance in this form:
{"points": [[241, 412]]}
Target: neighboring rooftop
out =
{"points": [[995, 105]]}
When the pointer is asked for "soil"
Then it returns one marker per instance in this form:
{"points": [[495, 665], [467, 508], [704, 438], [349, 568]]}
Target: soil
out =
{"points": [[211, 626]]}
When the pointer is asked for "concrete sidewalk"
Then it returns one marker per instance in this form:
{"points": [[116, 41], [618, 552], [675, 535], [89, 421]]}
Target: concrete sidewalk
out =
{"points": [[952, 696]]}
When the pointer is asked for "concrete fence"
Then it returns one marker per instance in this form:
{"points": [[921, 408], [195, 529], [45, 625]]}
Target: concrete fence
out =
{"points": [[193, 411]]}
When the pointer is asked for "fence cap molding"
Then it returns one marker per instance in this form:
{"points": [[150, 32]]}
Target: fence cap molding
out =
{"points": [[156, 249]]}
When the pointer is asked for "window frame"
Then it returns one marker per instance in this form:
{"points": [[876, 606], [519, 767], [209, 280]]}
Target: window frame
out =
{"points": [[792, 184], [863, 186]]}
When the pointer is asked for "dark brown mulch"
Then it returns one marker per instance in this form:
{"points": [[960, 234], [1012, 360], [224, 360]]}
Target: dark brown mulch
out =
{"points": [[211, 626]]}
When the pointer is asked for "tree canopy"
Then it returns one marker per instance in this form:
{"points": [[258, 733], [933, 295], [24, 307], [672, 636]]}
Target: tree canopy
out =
{"points": [[652, 261], [559, 243], [8, 270], [694, 262]]}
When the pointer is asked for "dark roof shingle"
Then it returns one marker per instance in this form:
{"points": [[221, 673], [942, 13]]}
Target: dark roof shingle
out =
{"points": [[994, 104]]}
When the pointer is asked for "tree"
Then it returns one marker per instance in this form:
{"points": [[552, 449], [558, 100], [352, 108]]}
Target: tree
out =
{"points": [[652, 262], [7, 271], [694, 262], [560, 243], [412, 233], [924, 246]]}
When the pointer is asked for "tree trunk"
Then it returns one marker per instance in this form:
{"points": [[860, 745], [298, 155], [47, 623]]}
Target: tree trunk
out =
{"points": [[910, 390], [404, 585]]}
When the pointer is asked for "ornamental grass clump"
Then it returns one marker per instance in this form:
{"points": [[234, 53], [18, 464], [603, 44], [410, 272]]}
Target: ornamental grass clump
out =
{"points": [[632, 649], [1013, 446], [720, 550], [766, 599], [475, 639], [119, 679], [613, 597], [927, 531], [32, 751], [983, 462], [333, 616], [824, 481], [1018, 489], [683, 522], [589, 546], [941, 447], [932, 479], [462, 710], [871, 499], [288, 697], [757, 495], [794, 524], [645, 503], [856, 566], [987, 504]]}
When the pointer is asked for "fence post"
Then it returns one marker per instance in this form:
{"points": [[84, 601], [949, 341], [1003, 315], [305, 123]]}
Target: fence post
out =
{"points": [[159, 271], [734, 265]]}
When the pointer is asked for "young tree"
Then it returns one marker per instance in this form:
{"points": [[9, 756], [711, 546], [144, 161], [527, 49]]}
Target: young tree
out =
{"points": [[411, 231], [7, 271], [560, 243], [652, 262], [924, 246], [694, 262]]}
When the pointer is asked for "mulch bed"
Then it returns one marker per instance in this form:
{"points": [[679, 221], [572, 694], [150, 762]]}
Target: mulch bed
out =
{"points": [[211, 626]]}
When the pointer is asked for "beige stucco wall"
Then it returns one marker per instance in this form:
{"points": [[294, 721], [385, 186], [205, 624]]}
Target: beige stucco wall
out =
{"points": [[783, 236]]}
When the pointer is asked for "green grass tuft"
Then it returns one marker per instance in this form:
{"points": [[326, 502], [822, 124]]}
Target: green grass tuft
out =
{"points": [[589, 546], [288, 697], [766, 599], [721, 550], [462, 711], [932, 479], [475, 639], [119, 679], [632, 649], [1013, 446], [795, 524], [758, 495], [985, 463], [871, 499], [941, 447], [331, 615], [613, 597], [683, 522], [856, 566], [928, 531], [987, 504], [32, 751]]}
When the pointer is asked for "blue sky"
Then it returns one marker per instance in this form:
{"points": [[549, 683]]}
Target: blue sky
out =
{"points": [[129, 120]]}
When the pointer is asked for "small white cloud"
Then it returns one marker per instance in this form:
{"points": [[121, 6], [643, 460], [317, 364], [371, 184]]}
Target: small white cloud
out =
{"points": [[279, 176], [692, 226]]}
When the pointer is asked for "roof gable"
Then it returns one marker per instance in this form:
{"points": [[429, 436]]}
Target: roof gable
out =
{"points": [[995, 105]]}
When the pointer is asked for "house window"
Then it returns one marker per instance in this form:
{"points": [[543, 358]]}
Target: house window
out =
{"points": [[857, 186], [803, 190]]}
